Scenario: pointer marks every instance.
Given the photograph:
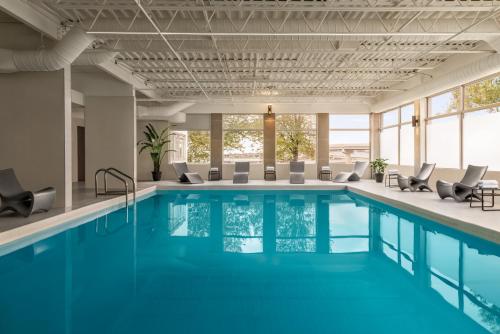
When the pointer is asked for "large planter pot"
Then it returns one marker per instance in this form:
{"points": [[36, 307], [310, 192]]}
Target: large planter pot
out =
{"points": [[156, 176], [379, 177]]}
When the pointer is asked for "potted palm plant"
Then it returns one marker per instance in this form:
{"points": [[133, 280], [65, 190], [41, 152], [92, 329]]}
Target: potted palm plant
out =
{"points": [[378, 166], [157, 145]]}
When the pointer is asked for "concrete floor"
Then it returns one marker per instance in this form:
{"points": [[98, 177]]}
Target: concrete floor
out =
{"points": [[82, 197], [448, 212]]}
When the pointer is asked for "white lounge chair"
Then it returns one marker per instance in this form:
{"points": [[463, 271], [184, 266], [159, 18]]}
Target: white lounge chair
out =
{"points": [[357, 172]]}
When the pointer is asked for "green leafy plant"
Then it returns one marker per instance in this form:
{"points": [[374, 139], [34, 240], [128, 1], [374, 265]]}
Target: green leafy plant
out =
{"points": [[379, 165], [156, 143]]}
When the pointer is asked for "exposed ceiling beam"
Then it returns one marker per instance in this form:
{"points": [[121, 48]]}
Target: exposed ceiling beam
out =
{"points": [[485, 34], [285, 50], [41, 21], [259, 7], [158, 32]]}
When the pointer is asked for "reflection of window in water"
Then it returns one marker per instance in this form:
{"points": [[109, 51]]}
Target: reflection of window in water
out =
{"points": [[296, 224], [349, 226], [397, 240], [476, 287], [243, 224], [189, 219]]}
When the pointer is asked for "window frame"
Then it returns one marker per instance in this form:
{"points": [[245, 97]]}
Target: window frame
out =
{"points": [[369, 130], [399, 124], [314, 129], [261, 130], [187, 147]]}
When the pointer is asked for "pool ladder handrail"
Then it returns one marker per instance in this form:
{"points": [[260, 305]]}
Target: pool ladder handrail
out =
{"points": [[117, 174]]}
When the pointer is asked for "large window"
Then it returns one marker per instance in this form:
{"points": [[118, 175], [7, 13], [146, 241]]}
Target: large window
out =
{"points": [[349, 138], [243, 138], [468, 118], [481, 123], [397, 138], [295, 137], [190, 146], [389, 136], [443, 129]]}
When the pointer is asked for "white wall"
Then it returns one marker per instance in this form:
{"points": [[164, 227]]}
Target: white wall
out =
{"points": [[35, 130], [110, 123]]}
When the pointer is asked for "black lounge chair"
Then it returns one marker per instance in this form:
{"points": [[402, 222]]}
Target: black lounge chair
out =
{"points": [[241, 171], [184, 175], [418, 182], [14, 197], [356, 174], [462, 190], [297, 172]]}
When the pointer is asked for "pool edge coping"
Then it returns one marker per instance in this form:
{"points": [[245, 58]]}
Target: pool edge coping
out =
{"points": [[26, 234]]}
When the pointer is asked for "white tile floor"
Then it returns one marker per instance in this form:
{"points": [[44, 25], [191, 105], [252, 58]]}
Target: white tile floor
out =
{"points": [[448, 212]]}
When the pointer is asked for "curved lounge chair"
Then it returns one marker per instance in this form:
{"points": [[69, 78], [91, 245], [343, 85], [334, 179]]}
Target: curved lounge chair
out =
{"points": [[14, 197], [184, 175], [356, 174], [297, 172], [462, 190], [418, 182], [241, 171]]}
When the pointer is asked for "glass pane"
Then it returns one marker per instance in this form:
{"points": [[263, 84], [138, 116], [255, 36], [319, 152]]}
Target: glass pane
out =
{"points": [[445, 153], [178, 143], [295, 122], [235, 122], [481, 138], [483, 93], [349, 121], [407, 145], [390, 118], [407, 112], [440, 249], [295, 146], [349, 146], [243, 146], [389, 145], [198, 147], [349, 245], [445, 103]]}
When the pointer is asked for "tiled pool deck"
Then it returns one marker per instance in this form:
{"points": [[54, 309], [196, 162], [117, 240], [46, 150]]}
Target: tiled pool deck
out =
{"points": [[448, 212]]}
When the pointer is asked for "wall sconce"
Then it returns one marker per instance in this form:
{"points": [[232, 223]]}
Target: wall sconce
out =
{"points": [[414, 121], [269, 110]]}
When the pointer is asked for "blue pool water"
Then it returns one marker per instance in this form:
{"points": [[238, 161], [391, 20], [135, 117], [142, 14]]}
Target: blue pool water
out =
{"points": [[253, 262]]}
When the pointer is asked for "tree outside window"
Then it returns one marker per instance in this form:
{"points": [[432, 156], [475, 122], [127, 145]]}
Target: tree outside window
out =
{"points": [[295, 137], [243, 138]]}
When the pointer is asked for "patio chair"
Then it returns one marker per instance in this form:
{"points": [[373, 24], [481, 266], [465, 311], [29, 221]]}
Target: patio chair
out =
{"points": [[462, 190], [241, 171], [14, 197], [418, 182], [297, 172], [357, 172], [184, 175]]}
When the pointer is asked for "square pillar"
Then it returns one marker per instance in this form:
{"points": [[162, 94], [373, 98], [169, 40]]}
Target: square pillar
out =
{"points": [[323, 147], [269, 140], [110, 125], [35, 130], [216, 141]]}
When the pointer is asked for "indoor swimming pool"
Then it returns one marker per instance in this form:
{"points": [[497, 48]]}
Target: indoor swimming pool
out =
{"points": [[227, 261]]}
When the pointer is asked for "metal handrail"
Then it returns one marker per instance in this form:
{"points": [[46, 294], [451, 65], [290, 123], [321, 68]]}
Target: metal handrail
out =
{"points": [[130, 178], [117, 174]]}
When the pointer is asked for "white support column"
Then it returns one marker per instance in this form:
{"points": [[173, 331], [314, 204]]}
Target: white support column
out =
{"points": [[35, 130], [110, 124]]}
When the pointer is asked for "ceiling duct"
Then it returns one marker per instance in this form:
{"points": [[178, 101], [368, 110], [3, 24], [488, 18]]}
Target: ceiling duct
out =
{"points": [[95, 57], [63, 53], [172, 113]]}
